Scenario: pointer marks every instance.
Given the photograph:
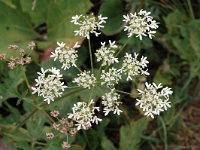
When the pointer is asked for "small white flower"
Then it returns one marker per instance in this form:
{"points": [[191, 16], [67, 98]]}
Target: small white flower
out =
{"points": [[110, 101], [84, 115], [88, 24], [133, 67], [111, 77], [154, 99], [49, 85], [66, 55], [85, 79], [141, 24], [106, 54]]}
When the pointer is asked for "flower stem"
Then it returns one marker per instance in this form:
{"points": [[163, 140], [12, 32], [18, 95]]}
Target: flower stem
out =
{"points": [[78, 69], [90, 52], [25, 78], [119, 51], [122, 47], [119, 91], [42, 105], [190, 9]]}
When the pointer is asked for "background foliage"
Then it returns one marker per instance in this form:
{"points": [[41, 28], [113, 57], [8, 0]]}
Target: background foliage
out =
{"points": [[174, 56]]}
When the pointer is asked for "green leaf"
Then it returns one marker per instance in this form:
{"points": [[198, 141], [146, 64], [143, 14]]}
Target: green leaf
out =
{"points": [[130, 135], [107, 144], [173, 21], [38, 12], [113, 9], [20, 134], [57, 14], [35, 125], [9, 82], [195, 42], [15, 27], [60, 14]]}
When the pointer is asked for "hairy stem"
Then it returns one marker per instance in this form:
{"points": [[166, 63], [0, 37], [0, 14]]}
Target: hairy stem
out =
{"points": [[25, 78], [44, 104], [90, 52]]}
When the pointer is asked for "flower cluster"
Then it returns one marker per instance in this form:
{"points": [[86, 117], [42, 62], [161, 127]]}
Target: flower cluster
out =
{"points": [[85, 80], [22, 59], [111, 77], [154, 99], [111, 103], [64, 126], [106, 54], [48, 84], [141, 24], [66, 55], [132, 67], [88, 24], [84, 115]]}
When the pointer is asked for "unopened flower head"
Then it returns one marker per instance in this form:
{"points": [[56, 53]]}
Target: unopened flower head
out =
{"points": [[2, 56], [66, 55], [141, 24], [85, 79], [49, 136], [111, 77], [55, 113], [111, 103], [66, 145], [106, 53], [133, 67], [84, 115], [31, 45], [13, 47], [49, 85], [88, 24], [154, 99]]}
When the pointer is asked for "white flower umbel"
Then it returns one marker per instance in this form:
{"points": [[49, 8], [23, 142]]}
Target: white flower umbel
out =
{"points": [[133, 67], [88, 24], [49, 85], [111, 77], [84, 115], [106, 53], [141, 24], [66, 55], [154, 99], [111, 103], [85, 80]]}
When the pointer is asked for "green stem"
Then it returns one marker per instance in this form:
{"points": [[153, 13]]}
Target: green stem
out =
{"points": [[122, 47], [90, 52], [190, 9], [78, 69], [27, 117], [86, 138], [44, 104], [25, 78], [190, 79], [91, 92], [120, 50], [119, 91], [99, 71], [165, 132]]}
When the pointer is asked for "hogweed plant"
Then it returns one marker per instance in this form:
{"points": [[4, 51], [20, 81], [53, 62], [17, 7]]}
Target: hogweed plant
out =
{"points": [[153, 99]]}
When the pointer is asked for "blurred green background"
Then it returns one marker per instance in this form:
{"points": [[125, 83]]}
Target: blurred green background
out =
{"points": [[174, 56]]}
